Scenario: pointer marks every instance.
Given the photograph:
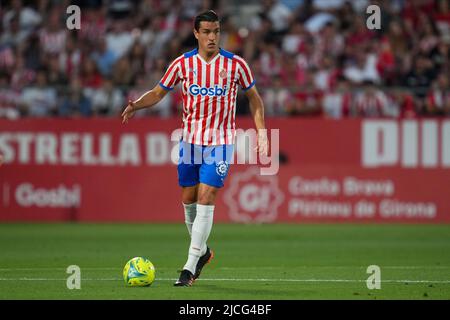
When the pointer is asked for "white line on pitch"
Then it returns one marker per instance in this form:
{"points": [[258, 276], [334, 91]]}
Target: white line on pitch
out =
{"points": [[236, 268], [338, 267], [244, 280], [55, 269]]}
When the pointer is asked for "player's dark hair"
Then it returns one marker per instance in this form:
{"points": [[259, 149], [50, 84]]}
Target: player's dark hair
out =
{"points": [[209, 16]]}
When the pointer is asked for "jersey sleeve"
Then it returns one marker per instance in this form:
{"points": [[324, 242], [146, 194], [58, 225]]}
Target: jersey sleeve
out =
{"points": [[172, 75], [246, 80]]}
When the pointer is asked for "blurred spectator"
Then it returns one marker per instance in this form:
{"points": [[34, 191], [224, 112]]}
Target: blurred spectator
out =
{"points": [[307, 101], [122, 74], [93, 24], [118, 39], [325, 77], [294, 39], [107, 100], [137, 59], [190, 8], [306, 60], [346, 15], [413, 9], [428, 35], [7, 59], [292, 74], [438, 99], [28, 17], [104, 58], [279, 14], [386, 62], [338, 101], [328, 5], [276, 98], [162, 36], [70, 58], [398, 39], [187, 38], [21, 76], [440, 57], [372, 102], [420, 78], [172, 49], [9, 99], [55, 76], [292, 4], [317, 21], [363, 67], [14, 36], [32, 52], [359, 34], [404, 102], [229, 36], [75, 102], [442, 18], [53, 35], [270, 59], [329, 41], [39, 100], [90, 75], [260, 33], [120, 8]]}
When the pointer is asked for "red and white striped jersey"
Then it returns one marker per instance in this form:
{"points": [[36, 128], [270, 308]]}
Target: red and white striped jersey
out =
{"points": [[209, 93]]}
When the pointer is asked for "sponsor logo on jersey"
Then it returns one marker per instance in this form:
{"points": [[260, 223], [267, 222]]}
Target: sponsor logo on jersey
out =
{"points": [[195, 90]]}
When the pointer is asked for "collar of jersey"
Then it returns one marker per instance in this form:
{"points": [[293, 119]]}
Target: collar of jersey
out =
{"points": [[212, 60]]}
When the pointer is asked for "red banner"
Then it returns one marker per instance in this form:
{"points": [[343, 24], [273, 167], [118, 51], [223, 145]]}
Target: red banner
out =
{"points": [[330, 171]]}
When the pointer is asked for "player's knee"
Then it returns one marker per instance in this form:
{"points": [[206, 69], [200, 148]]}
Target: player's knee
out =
{"points": [[189, 198], [189, 195], [207, 197]]}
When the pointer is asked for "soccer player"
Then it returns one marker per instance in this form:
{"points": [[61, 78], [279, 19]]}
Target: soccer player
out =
{"points": [[209, 77]]}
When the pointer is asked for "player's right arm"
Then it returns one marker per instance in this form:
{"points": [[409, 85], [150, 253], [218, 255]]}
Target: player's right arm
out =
{"points": [[152, 97], [147, 100]]}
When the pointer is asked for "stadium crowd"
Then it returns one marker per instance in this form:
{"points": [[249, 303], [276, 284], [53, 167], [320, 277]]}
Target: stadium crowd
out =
{"points": [[309, 57]]}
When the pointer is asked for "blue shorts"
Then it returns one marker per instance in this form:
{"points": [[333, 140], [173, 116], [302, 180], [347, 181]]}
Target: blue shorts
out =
{"points": [[205, 164]]}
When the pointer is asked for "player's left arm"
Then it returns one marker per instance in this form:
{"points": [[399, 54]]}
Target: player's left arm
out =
{"points": [[257, 110]]}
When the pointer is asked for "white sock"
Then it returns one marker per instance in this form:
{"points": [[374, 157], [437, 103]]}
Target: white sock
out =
{"points": [[200, 232], [190, 211]]}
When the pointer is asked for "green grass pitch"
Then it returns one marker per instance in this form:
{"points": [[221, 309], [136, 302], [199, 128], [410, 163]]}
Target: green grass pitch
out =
{"points": [[280, 261]]}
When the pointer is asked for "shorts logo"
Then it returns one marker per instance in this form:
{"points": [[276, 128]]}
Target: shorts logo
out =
{"points": [[221, 168]]}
